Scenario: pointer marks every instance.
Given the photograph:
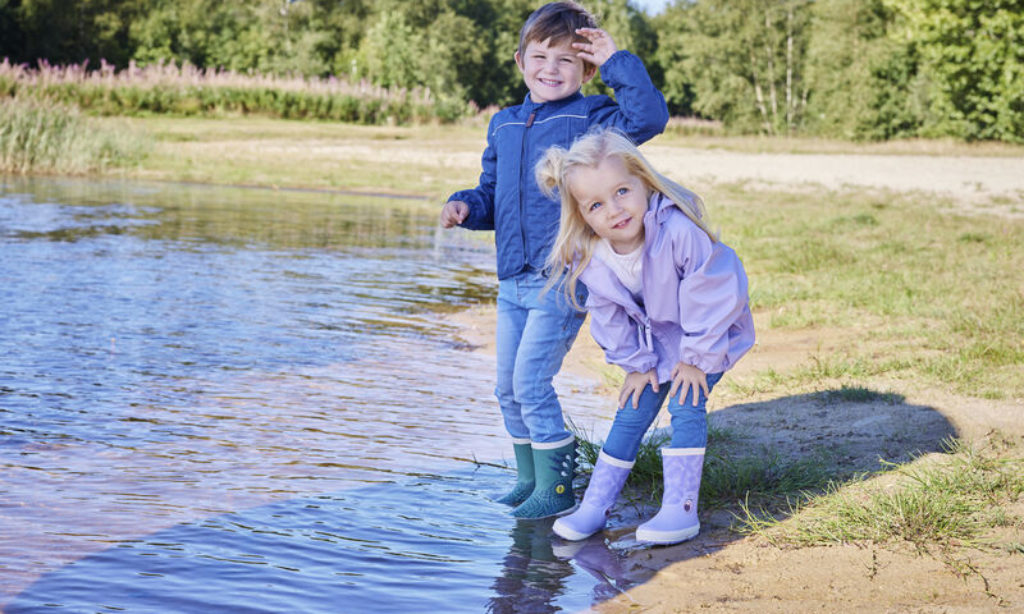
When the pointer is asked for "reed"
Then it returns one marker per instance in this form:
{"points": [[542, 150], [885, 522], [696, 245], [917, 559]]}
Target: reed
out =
{"points": [[42, 136], [185, 90]]}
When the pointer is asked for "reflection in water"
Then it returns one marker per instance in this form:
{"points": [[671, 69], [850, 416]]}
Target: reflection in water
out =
{"points": [[189, 370], [431, 545]]}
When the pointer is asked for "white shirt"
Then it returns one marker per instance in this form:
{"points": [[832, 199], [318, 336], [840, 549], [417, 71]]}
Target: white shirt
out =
{"points": [[627, 267]]}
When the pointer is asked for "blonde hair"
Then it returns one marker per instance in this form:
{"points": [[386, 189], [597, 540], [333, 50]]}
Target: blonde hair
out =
{"points": [[574, 244]]}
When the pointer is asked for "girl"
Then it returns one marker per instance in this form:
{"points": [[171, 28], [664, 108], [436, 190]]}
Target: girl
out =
{"points": [[668, 303]]}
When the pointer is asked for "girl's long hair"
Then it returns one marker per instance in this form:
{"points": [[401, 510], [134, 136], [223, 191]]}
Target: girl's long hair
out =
{"points": [[575, 241]]}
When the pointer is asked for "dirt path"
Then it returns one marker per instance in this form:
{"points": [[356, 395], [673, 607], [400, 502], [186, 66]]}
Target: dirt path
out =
{"points": [[989, 184]]}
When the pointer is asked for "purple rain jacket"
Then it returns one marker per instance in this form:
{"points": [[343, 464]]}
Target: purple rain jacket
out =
{"points": [[695, 304]]}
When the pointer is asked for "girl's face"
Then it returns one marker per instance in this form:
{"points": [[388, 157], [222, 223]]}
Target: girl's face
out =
{"points": [[613, 202]]}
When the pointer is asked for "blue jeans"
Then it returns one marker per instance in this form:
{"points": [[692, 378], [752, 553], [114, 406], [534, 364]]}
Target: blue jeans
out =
{"points": [[689, 423], [533, 335]]}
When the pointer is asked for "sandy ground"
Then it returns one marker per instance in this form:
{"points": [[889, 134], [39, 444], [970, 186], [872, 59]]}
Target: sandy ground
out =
{"points": [[991, 184], [720, 571]]}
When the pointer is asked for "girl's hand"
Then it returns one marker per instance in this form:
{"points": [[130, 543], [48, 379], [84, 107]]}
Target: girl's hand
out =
{"points": [[599, 49], [635, 384], [688, 377]]}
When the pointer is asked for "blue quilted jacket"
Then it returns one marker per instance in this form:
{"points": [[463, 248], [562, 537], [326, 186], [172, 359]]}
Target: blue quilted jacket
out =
{"points": [[508, 199]]}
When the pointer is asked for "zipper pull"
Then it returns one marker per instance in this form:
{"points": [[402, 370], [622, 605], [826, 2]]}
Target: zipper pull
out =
{"points": [[529, 120]]}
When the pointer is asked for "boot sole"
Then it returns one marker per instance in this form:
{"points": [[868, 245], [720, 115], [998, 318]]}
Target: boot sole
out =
{"points": [[570, 534], [663, 538], [556, 514]]}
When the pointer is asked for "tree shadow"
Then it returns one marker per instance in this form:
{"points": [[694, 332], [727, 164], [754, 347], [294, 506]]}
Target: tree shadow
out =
{"points": [[763, 453]]}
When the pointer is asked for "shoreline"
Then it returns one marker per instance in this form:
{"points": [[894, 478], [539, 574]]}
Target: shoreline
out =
{"points": [[723, 571]]}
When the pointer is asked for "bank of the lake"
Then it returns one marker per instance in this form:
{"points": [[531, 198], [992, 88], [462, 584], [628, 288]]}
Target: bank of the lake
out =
{"points": [[885, 281]]}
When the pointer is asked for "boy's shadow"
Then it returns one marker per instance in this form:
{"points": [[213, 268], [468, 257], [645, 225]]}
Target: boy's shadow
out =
{"points": [[764, 451]]}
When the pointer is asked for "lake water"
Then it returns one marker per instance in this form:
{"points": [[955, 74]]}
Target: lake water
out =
{"points": [[241, 400]]}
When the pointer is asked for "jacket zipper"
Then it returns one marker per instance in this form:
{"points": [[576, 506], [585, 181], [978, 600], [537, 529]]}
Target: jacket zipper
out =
{"points": [[522, 192]]}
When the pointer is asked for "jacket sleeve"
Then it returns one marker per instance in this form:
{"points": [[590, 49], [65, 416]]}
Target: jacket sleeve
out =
{"points": [[481, 198], [616, 333], [639, 109], [712, 297]]}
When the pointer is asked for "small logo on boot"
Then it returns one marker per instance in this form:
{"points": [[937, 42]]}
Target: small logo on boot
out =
{"points": [[560, 489]]}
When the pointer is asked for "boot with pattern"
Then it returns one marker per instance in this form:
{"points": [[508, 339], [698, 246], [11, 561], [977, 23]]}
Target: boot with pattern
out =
{"points": [[677, 520], [554, 467]]}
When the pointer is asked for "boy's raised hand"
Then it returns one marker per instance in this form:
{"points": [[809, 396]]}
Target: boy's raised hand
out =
{"points": [[454, 213], [599, 49]]}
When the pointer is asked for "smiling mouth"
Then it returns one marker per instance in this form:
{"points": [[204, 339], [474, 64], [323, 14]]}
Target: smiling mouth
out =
{"points": [[622, 224], [550, 83]]}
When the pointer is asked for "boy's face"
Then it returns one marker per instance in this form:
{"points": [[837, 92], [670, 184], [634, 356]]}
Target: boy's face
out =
{"points": [[552, 71]]}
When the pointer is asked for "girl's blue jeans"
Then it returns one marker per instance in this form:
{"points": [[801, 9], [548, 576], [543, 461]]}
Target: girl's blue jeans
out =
{"points": [[534, 333], [689, 423]]}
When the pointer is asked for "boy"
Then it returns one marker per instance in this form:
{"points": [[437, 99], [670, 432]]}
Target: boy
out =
{"points": [[560, 49]]}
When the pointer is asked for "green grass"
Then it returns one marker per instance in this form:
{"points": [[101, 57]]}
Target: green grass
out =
{"points": [[39, 136], [730, 476], [952, 500], [936, 293]]}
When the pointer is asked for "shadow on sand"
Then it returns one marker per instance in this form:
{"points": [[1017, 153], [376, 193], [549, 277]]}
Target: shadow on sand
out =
{"points": [[843, 434]]}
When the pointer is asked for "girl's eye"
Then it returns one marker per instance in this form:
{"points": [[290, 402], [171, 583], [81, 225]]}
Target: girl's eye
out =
{"points": [[623, 191], [595, 206]]}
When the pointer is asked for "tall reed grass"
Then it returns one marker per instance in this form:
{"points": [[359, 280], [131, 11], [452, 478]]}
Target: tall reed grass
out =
{"points": [[189, 91], [42, 136]]}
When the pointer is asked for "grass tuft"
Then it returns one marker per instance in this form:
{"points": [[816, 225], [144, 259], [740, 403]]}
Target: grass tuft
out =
{"points": [[950, 500]]}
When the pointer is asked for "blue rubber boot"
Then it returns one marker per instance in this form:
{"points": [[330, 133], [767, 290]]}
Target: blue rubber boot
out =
{"points": [[677, 520], [605, 483], [524, 471], [554, 466]]}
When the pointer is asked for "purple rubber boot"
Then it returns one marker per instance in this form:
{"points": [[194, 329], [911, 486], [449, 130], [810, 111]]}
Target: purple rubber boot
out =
{"points": [[605, 483], [677, 520]]}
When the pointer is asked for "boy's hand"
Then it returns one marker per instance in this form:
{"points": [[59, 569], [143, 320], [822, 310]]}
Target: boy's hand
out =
{"points": [[635, 384], [454, 213], [599, 49], [686, 377]]}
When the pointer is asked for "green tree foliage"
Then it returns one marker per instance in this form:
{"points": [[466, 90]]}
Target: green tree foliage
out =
{"points": [[972, 52], [745, 59], [859, 69], [68, 31], [863, 80], [672, 29]]}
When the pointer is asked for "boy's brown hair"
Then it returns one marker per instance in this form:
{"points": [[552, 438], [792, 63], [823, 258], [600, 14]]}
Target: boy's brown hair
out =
{"points": [[557, 21]]}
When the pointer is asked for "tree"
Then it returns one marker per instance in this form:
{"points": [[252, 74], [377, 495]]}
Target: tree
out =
{"points": [[972, 53], [746, 61], [863, 81], [73, 31]]}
